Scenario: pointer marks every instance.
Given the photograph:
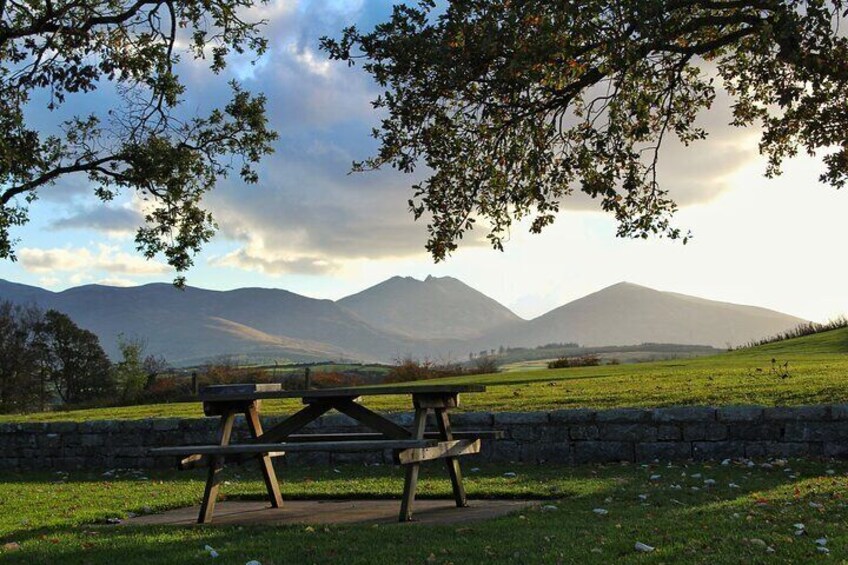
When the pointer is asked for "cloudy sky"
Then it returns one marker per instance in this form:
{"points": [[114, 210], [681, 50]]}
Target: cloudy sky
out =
{"points": [[312, 228]]}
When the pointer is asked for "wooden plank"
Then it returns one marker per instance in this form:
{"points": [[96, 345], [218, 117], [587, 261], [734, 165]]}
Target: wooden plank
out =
{"points": [[410, 482], [213, 478], [196, 461], [239, 389], [452, 462], [444, 449], [373, 420], [199, 461], [362, 436], [330, 393], [253, 448], [266, 465], [442, 400], [191, 462], [293, 423], [221, 408]]}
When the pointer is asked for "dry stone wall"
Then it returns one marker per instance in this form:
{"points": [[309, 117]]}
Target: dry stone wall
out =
{"points": [[562, 436]]}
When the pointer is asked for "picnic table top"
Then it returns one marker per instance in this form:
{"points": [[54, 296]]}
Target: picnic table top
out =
{"points": [[271, 390]]}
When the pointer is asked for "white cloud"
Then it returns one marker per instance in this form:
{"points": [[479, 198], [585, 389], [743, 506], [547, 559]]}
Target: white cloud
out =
{"points": [[117, 222], [255, 258], [49, 282], [51, 260], [107, 259], [116, 282], [310, 61]]}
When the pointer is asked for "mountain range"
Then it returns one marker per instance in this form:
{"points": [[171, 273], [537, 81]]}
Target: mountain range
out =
{"points": [[436, 317]]}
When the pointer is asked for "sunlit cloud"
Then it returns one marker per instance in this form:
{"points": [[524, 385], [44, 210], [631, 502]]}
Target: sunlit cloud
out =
{"points": [[109, 259]]}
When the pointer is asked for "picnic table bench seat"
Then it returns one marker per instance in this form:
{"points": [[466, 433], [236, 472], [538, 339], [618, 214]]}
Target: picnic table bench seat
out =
{"points": [[410, 446]]}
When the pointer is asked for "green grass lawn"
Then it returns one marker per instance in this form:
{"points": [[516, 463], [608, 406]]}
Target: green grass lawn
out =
{"points": [[748, 510], [817, 373]]}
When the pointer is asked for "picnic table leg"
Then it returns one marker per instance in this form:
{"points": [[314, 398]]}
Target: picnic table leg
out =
{"points": [[452, 463], [410, 483], [216, 465], [265, 462]]}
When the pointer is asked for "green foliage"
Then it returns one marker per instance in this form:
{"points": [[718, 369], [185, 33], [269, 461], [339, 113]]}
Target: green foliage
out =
{"points": [[129, 373], [512, 106], [568, 362], [52, 50], [22, 375], [77, 366], [45, 357], [409, 369]]}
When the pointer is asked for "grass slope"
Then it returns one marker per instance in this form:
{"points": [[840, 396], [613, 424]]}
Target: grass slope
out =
{"points": [[817, 373], [48, 518]]}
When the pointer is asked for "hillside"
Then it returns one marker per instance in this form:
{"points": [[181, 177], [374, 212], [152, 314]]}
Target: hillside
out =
{"points": [[438, 318], [816, 369], [629, 314], [831, 342], [435, 308], [195, 324]]}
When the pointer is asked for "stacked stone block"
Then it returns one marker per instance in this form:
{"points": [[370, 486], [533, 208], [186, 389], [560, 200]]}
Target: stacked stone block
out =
{"points": [[560, 436]]}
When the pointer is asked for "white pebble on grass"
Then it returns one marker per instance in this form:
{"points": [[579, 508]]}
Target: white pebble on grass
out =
{"points": [[757, 541], [824, 550], [212, 553], [549, 508], [601, 511], [643, 547], [656, 477], [510, 475], [821, 542]]}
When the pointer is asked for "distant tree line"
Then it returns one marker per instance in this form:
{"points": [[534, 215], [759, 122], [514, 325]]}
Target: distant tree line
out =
{"points": [[46, 360]]}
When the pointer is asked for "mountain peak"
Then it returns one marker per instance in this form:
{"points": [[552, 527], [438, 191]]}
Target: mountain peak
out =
{"points": [[435, 308], [626, 285]]}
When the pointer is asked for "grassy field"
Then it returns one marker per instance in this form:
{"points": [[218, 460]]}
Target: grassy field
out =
{"points": [[817, 372], [747, 516]]}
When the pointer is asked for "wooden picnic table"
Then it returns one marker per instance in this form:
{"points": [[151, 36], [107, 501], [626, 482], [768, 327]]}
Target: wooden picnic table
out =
{"points": [[410, 446]]}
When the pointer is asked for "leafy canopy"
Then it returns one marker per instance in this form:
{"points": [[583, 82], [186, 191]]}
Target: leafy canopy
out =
{"points": [[514, 104], [76, 364], [53, 49]]}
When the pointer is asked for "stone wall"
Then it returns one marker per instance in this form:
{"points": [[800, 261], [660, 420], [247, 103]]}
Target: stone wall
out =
{"points": [[563, 436]]}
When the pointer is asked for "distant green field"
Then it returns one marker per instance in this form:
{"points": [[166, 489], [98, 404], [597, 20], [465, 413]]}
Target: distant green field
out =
{"points": [[817, 372]]}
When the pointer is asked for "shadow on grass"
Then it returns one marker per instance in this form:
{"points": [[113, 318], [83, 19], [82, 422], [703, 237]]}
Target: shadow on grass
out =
{"points": [[683, 534], [686, 525]]}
